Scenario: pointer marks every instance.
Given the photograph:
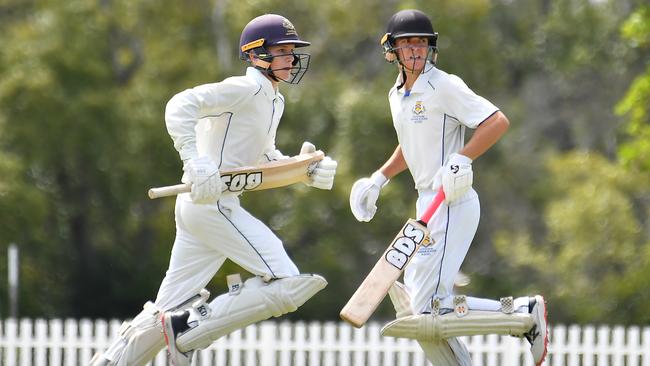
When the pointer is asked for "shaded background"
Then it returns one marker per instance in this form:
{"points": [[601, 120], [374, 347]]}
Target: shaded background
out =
{"points": [[565, 194]]}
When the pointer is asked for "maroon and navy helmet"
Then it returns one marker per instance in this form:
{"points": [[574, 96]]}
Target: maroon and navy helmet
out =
{"points": [[271, 30]]}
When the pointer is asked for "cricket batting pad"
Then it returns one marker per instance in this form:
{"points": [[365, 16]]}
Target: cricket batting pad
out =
{"points": [[450, 351], [140, 339], [256, 301], [427, 327], [400, 299]]}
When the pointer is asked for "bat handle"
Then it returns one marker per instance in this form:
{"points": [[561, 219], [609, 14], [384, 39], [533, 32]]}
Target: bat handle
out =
{"points": [[169, 190], [433, 206]]}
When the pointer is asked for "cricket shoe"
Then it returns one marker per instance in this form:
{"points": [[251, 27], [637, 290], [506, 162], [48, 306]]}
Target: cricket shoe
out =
{"points": [[537, 336], [175, 323]]}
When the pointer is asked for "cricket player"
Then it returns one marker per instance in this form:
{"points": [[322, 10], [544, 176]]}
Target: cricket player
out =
{"points": [[218, 126], [431, 110]]}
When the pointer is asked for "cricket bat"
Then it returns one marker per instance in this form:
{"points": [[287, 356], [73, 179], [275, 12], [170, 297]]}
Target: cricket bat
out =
{"points": [[274, 174], [374, 288]]}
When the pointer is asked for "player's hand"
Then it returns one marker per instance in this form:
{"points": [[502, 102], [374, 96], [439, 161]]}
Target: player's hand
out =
{"points": [[364, 195], [455, 177], [203, 173], [322, 176]]}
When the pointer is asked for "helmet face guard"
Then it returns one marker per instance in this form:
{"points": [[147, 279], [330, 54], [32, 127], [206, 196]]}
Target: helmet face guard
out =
{"points": [[407, 24], [391, 55], [273, 30], [263, 58], [299, 67]]}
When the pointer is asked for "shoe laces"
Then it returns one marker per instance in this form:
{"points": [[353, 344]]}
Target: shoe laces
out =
{"points": [[532, 334]]}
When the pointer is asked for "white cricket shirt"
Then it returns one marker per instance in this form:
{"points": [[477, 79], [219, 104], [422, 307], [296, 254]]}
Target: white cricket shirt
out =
{"points": [[233, 121], [430, 121]]}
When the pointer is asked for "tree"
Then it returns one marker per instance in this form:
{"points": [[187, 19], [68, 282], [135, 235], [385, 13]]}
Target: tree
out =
{"points": [[592, 240], [636, 151], [594, 246], [82, 124]]}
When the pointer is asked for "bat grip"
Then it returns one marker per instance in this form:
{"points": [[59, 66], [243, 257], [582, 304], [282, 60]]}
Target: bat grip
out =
{"points": [[433, 206], [169, 190]]}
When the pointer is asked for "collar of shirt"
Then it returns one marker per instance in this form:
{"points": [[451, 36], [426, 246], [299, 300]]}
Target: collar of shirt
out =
{"points": [[421, 83], [263, 82]]}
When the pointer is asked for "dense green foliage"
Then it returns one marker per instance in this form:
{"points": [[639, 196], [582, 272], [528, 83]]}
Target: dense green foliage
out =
{"points": [[565, 195]]}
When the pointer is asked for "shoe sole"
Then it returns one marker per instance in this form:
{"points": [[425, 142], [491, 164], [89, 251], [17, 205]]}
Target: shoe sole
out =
{"points": [[168, 332], [540, 300]]}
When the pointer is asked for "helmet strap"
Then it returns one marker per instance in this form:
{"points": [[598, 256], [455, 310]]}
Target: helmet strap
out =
{"points": [[267, 71], [272, 75], [401, 85], [262, 65]]}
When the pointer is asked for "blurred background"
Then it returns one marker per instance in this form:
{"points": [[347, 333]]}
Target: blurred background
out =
{"points": [[565, 194]]}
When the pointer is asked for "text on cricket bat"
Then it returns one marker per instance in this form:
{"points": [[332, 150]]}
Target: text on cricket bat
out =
{"points": [[403, 247]]}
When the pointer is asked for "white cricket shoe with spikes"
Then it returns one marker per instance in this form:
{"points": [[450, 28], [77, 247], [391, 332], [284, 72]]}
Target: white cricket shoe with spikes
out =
{"points": [[538, 334], [173, 324]]}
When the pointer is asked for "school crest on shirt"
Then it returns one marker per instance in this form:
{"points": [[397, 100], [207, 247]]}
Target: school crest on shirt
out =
{"points": [[418, 112], [418, 108]]}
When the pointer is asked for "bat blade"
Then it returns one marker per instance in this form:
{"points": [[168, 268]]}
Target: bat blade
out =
{"points": [[389, 267], [387, 270], [266, 176]]}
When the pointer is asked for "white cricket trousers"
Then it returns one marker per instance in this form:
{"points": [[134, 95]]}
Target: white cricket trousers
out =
{"points": [[432, 270], [207, 234]]}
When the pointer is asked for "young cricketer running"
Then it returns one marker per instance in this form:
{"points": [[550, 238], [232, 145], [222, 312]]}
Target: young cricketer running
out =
{"points": [[431, 110], [219, 126]]}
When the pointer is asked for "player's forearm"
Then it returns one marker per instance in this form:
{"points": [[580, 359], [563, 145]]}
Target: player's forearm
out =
{"points": [[395, 164], [486, 135]]}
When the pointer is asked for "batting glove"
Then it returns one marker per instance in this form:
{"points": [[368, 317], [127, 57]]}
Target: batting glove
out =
{"points": [[322, 176], [274, 155], [364, 195], [455, 177], [203, 173]]}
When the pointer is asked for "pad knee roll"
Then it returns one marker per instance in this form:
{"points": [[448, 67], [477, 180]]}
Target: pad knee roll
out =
{"points": [[256, 301]]}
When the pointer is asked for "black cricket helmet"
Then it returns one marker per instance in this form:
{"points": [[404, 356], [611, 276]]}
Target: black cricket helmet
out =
{"points": [[407, 23], [271, 30]]}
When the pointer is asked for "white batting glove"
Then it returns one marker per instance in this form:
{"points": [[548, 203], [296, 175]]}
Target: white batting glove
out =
{"points": [[275, 155], [322, 176], [203, 173], [364, 195], [455, 177]]}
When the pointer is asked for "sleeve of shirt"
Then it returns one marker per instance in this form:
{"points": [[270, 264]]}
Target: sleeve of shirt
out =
{"points": [[185, 109], [465, 105]]}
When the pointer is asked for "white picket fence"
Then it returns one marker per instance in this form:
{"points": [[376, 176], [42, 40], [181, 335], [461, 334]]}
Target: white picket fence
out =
{"points": [[71, 342]]}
